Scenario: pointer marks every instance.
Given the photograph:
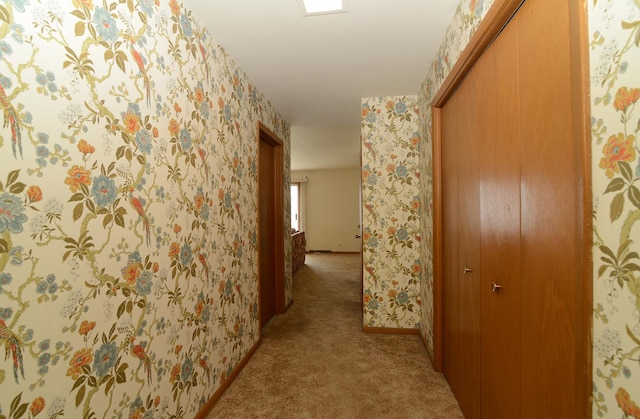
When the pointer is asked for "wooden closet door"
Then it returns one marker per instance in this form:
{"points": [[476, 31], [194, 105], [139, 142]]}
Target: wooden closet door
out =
{"points": [[461, 328], [554, 357], [500, 228]]}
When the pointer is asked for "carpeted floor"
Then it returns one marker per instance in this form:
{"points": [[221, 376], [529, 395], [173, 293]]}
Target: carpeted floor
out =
{"points": [[315, 362]]}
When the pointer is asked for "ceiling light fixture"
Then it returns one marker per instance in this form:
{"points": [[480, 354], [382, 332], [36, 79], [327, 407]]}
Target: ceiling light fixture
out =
{"points": [[321, 7]]}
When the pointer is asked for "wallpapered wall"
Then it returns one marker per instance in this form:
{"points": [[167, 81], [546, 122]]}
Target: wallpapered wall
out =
{"points": [[128, 210], [614, 28], [391, 208], [614, 42]]}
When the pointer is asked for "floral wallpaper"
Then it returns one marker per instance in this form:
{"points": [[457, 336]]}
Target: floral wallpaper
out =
{"points": [[614, 43], [466, 19], [128, 209], [391, 212]]}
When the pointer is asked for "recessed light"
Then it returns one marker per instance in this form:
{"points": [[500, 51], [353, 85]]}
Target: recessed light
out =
{"points": [[321, 7]]}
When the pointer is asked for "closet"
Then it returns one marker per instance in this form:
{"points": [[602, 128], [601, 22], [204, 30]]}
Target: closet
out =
{"points": [[515, 318]]}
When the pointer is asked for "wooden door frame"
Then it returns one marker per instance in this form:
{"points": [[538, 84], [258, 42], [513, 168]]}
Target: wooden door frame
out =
{"points": [[265, 134], [496, 19]]}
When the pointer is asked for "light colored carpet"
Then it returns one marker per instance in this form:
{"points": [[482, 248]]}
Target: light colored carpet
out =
{"points": [[315, 362]]}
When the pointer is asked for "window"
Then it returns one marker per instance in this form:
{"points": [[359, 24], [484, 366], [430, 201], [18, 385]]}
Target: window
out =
{"points": [[295, 206]]}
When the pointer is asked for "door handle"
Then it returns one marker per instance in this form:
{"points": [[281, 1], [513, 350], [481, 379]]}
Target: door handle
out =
{"points": [[357, 236], [496, 287], [466, 270]]}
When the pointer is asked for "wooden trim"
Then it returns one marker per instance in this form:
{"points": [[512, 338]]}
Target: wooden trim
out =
{"points": [[270, 137], [206, 409], [346, 253], [497, 17], [390, 330], [436, 356], [426, 348], [581, 114]]}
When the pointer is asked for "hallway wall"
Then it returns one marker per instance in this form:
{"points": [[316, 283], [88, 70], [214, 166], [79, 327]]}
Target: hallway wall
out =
{"points": [[128, 209], [614, 31], [391, 210]]}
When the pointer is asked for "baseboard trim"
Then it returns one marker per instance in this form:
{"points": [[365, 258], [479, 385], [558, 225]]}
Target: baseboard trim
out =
{"points": [[426, 348], [390, 330], [206, 409]]}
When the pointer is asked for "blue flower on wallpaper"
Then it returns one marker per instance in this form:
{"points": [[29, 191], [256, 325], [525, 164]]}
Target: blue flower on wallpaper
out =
{"points": [[105, 24], [402, 234], [373, 304], [18, 32], [400, 108], [401, 171], [185, 139], [372, 179], [105, 358], [187, 369], [5, 279], [6, 313], [144, 284], [373, 242], [11, 213], [403, 297], [227, 200], [371, 117], [147, 6], [43, 137], [227, 113], [19, 4], [143, 139], [186, 254], [205, 211], [5, 49], [204, 109], [104, 189], [16, 255], [228, 288], [6, 82], [185, 24]]}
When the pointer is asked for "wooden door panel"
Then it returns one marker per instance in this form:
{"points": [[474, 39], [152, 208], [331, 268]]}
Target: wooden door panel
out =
{"points": [[551, 214], [267, 211], [461, 327], [500, 229]]}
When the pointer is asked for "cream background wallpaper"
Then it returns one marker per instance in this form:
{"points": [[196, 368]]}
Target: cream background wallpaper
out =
{"points": [[391, 208], [128, 209]]}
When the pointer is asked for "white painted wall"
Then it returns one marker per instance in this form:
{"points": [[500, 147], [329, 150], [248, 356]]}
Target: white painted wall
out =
{"points": [[330, 208]]}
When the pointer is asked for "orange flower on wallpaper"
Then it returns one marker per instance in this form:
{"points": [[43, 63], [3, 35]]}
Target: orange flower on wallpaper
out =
{"points": [[37, 405], [34, 193], [86, 327], [626, 97], [85, 148], [86, 3], [627, 405], [131, 122], [174, 249], [174, 127], [80, 358], [199, 94], [78, 175], [175, 373], [175, 7], [618, 148], [131, 272]]}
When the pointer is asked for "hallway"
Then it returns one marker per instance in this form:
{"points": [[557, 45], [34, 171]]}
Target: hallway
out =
{"points": [[314, 361]]}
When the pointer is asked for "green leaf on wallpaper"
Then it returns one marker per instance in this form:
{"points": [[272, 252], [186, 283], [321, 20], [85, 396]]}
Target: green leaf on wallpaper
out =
{"points": [[632, 336], [12, 176], [16, 188], [634, 195], [625, 169], [2, 375], [5, 15], [615, 185], [617, 205], [4, 248], [80, 395], [630, 25], [80, 27]]}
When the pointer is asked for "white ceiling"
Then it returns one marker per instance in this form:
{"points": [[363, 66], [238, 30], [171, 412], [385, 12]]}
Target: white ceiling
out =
{"points": [[316, 69]]}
